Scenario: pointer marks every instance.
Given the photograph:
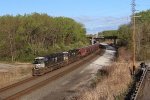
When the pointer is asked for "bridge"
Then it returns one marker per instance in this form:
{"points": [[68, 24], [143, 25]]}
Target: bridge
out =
{"points": [[104, 38]]}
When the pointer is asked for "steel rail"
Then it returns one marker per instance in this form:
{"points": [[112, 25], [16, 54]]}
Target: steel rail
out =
{"points": [[62, 72]]}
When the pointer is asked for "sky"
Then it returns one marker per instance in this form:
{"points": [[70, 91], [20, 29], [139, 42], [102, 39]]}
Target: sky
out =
{"points": [[95, 15]]}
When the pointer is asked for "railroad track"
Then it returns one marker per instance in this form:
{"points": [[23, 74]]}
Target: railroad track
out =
{"points": [[145, 76], [21, 88]]}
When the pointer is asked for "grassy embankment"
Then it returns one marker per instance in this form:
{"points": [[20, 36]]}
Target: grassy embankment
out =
{"points": [[14, 73], [112, 81]]}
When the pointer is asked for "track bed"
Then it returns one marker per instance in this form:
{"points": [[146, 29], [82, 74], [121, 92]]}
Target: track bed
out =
{"points": [[24, 87]]}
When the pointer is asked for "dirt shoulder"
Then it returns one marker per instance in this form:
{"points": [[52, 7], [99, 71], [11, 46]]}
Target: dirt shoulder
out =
{"points": [[11, 73]]}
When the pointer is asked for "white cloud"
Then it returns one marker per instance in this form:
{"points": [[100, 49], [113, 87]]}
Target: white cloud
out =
{"points": [[97, 24]]}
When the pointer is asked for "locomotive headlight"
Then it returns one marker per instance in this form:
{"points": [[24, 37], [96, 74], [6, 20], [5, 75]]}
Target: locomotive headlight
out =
{"points": [[37, 66]]}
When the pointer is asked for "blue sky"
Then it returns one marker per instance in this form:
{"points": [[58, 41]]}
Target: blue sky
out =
{"points": [[96, 15]]}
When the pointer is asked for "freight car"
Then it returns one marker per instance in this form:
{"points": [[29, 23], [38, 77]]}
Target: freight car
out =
{"points": [[57, 60]]}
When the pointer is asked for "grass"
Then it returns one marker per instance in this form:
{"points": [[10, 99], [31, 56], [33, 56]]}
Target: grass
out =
{"points": [[13, 75], [112, 81], [112, 85]]}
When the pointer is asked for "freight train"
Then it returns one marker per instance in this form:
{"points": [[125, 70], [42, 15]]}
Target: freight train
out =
{"points": [[57, 60]]}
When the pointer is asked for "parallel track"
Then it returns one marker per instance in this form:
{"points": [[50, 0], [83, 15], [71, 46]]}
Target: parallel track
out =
{"points": [[26, 86], [141, 83]]}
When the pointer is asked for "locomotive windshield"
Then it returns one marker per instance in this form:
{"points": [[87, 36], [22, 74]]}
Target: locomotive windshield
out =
{"points": [[39, 60]]}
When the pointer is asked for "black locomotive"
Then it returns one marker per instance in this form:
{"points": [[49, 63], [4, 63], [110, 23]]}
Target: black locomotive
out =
{"points": [[57, 60]]}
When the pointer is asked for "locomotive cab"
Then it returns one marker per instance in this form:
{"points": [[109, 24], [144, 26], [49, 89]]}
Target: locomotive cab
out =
{"points": [[65, 54], [39, 62]]}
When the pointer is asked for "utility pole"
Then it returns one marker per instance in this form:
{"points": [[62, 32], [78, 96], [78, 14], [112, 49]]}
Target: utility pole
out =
{"points": [[133, 34]]}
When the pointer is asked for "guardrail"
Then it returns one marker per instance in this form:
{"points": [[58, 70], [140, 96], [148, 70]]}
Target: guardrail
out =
{"points": [[139, 85], [138, 80]]}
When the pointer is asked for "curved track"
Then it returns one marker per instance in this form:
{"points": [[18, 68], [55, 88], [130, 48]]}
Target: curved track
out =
{"points": [[26, 86]]}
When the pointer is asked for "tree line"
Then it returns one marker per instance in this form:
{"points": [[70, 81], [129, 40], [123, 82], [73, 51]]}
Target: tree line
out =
{"points": [[24, 37], [142, 35]]}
